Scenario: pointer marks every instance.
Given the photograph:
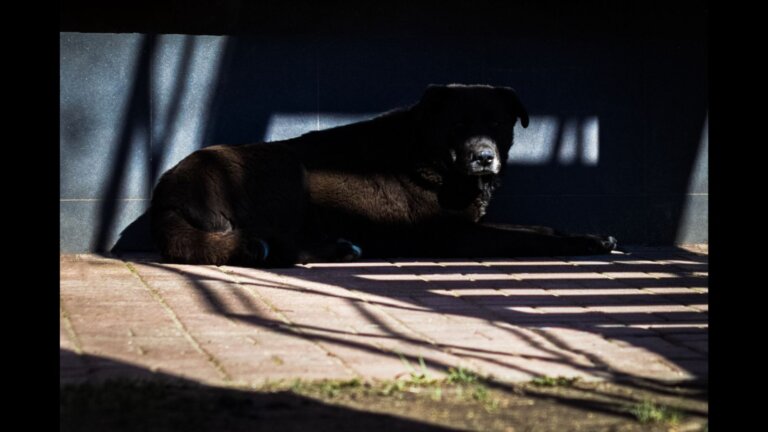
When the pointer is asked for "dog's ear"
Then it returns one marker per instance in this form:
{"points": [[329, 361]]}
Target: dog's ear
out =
{"points": [[514, 104], [434, 96]]}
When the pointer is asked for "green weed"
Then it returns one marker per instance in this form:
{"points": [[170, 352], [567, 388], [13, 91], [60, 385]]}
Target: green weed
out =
{"points": [[649, 412]]}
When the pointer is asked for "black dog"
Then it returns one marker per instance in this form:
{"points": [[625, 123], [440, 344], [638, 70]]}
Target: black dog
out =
{"points": [[411, 182]]}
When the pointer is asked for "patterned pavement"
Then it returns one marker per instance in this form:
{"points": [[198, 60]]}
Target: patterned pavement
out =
{"points": [[639, 315]]}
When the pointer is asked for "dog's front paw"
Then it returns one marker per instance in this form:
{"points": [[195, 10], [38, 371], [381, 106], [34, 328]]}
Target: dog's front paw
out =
{"points": [[593, 244], [610, 244]]}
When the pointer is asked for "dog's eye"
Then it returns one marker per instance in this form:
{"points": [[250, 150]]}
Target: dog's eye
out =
{"points": [[460, 125]]}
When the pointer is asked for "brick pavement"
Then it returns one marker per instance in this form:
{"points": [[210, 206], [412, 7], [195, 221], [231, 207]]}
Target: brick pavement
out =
{"points": [[641, 315]]}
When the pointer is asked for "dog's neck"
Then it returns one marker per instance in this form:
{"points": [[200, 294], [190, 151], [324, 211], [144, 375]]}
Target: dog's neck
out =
{"points": [[468, 195]]}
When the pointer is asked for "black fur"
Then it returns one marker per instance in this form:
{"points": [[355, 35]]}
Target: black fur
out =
{"points": [[412, 182]]}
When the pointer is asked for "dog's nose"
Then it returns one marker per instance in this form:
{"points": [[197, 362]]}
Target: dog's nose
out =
{"points": [[484, 157]]}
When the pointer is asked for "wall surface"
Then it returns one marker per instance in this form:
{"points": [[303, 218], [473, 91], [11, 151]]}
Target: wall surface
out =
{"points": [[617, 143]]}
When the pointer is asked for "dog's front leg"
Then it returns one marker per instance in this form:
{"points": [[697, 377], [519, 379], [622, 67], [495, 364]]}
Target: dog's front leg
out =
{"points": [[486, 240]]}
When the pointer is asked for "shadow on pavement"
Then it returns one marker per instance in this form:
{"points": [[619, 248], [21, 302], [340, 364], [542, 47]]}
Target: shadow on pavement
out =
{"points": [[160, 402], [152, 401]]}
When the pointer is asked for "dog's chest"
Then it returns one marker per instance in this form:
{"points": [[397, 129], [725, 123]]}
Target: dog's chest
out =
{"points": [[376, 198]]}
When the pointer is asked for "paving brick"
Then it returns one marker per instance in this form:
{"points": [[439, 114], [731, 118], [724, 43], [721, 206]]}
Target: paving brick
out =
{"points": [[660, 283], [639, 319], [569, 283], [615, 358], [522, 292], [692, 316], [662, 308], [684, 329], [95, 319], [412, 317], [657, 345], [371, 361], [414, 263], [559, 276], [518, 300], [688, 299], [700, 346], [692, 369], [538, 268], [618, 330], [683, 335], [650, 367], [592, 266], [186, 271], [671, 290], [513, 345], [84, 267], [472, 292], [526, 369], [442, 302], [530, 315], [66, 342], [458, 262], [687, 265], [128, 292], [303, 363], [579, 291], [644, 299], [604, 283], [395, 288], [129, 328], [487, 284], [489, 276], [394, 301]]}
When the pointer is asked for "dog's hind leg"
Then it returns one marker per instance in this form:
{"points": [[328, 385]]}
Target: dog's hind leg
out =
{"points": [[181, 242]]}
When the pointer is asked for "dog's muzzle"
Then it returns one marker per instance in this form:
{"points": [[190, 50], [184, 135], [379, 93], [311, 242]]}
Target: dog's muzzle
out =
{"points": [[482, 156]]}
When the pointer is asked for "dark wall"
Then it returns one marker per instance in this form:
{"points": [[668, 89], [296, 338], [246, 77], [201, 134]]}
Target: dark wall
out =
{"points": [[617, 94]]}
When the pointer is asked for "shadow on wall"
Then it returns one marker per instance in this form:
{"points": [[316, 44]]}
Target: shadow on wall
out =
{"points": [[623, 119], [134, 133]]}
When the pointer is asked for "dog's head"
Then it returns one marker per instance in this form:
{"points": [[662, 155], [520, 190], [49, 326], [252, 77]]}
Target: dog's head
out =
{"points": [[470, 127]]}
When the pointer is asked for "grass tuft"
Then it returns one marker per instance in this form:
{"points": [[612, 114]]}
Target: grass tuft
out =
{"points": [[649, 412], [461, 375]]}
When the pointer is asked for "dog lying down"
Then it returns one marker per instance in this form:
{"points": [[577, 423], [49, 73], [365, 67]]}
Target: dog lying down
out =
{"points": [[412, 182]]}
